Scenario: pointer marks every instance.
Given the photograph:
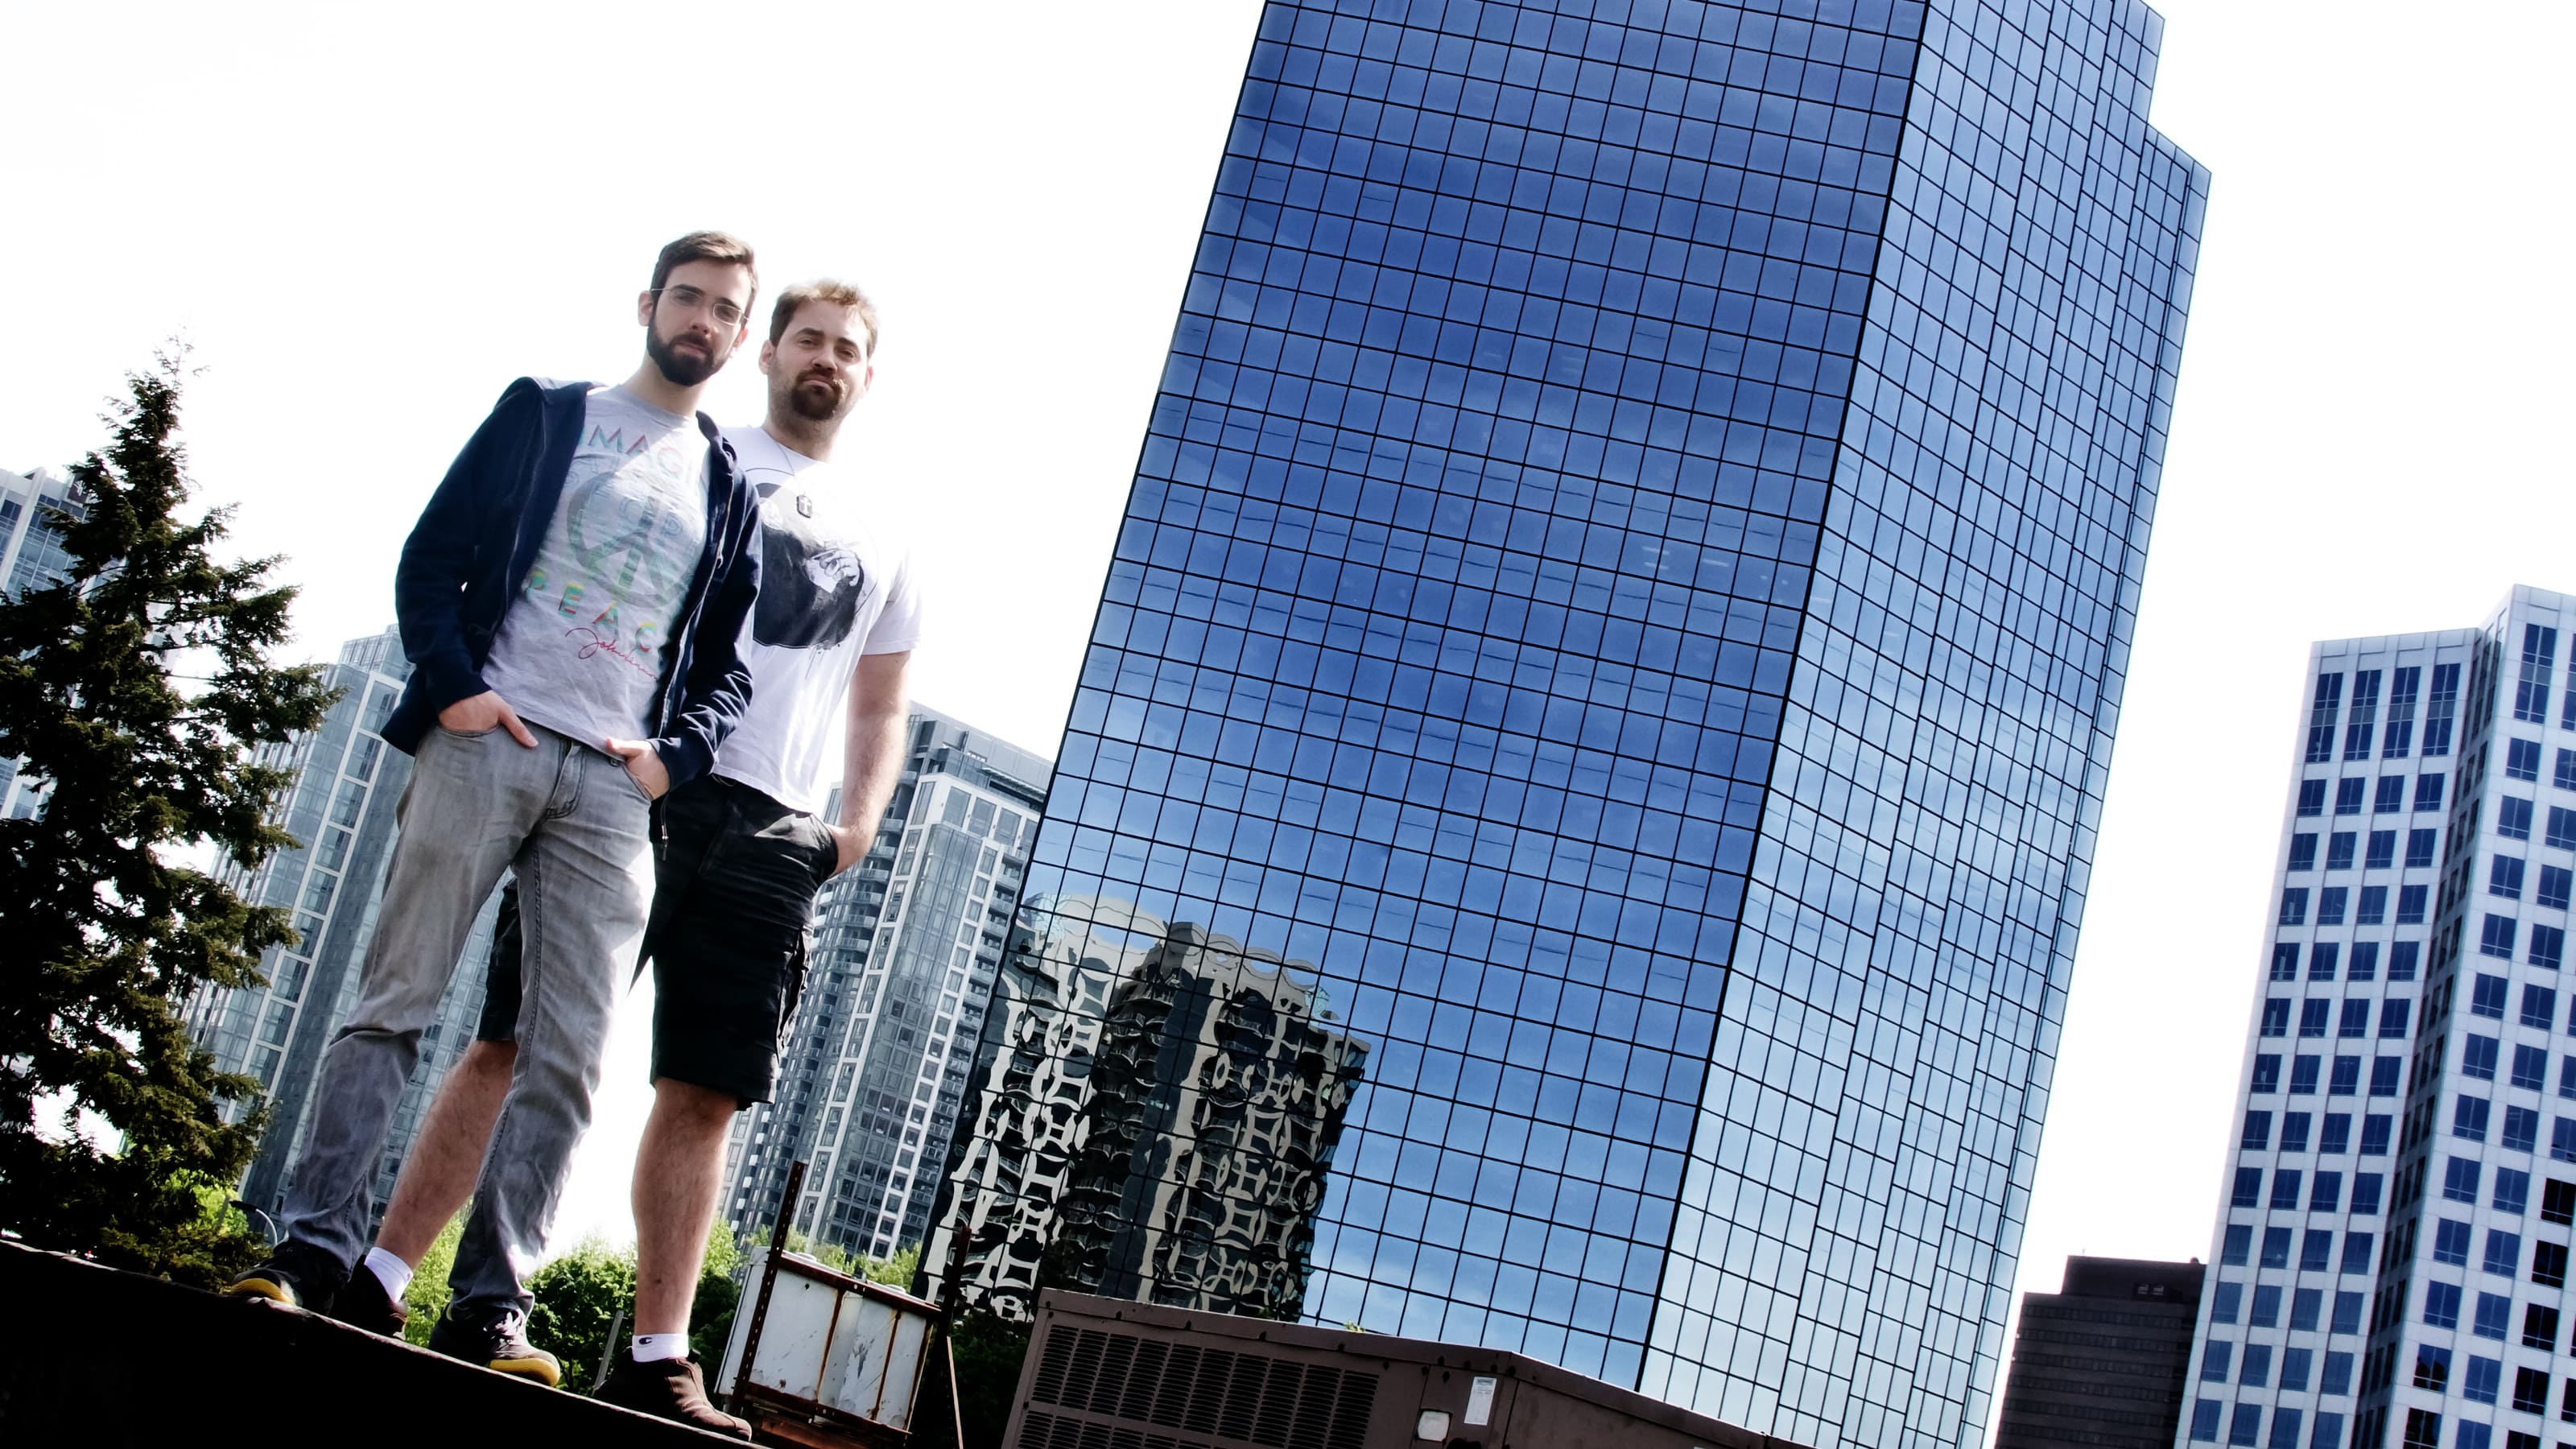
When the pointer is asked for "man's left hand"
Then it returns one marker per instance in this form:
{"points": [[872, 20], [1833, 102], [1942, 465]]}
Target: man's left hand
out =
{"points": [[644, 765]]}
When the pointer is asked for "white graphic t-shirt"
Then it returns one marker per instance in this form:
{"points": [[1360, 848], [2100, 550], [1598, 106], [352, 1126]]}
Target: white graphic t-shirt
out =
{"points": [[835, 583], [583, 644]]}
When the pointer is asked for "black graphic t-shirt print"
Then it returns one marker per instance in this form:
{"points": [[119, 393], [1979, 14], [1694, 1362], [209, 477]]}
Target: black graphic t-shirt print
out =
{"points": [[810, 588]]}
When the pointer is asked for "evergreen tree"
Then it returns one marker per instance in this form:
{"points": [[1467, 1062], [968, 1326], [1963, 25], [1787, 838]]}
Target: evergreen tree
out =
{"points": [[109, 929]]}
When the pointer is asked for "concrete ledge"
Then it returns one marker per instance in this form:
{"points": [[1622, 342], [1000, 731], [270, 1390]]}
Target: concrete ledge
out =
{"points": [[93, 1356]]}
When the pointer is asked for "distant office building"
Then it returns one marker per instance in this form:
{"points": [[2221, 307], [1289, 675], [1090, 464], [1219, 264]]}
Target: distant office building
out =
{"points": [[2099, 1363], [1628, 583], [1155, 1114], [32, 509], [904, 951], [2392, 1249], [341, 807]]}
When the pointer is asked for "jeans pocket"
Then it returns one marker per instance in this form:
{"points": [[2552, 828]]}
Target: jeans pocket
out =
{"points": [[469, 734], [634, 784]]}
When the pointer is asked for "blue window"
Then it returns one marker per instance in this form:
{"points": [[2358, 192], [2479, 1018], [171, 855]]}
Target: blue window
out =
{"points": [[2487, 994], [2512, 1190], [2451, 1242], [2390, 799], [2548, 1264], [2266, 1312], [2478, 1383], [2469, 1119], [2399, 737], [2471, 1436], [2276, 1016], [2334, 1383], [2496, 939], [2495, 1315], [2312, 797], [2204, 1418], [2521, 1129], [2513, 818], [2346, 1079], [2285, 1189], [2347, 1312], [2375, 1130], [2548, 946], [2294, 1132], [2218, 1361], [2348, 795], [2303, 1074], [2285, 962], [2478, 1057], [2402, 954], [2439, 707], [2384, 1072], [2539, 1006], [2565, 778], [2321, 717], [2562, 1139], [2330, 904], [2237, 1247], [2371, 908], [2556, 884], [2410, 912], [2562, 823], [2531, 690], [2294, 906], [2258, 1132], [2356, 1259], [2567, 1077], [2356, 1019], [2223, 1303], [2294, 1361], [2337, 1137], [2276, 1254], [2460, 1179], [2504, 878], [2383, 851], [2365, 959], [2504, 1253], [2365, 715], [2316, 1255], [2321, 960], [2325, 1194], [2365, 1193], [2421, 842], [2313, 1017], [2244, 1426], [2531, 1066], [2285, 1421], [2522, 760], [2428, 793], [2339, 849], [2432, 1367], [2442, 1305], [2254, 1369], [2267, 1073], [2303, 851]]}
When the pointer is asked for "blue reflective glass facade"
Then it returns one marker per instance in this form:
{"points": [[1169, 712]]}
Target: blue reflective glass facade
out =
{"points": [[1626, 590]]}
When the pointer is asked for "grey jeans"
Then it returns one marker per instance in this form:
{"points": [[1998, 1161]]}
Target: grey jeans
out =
{"points": [[576, 827]]}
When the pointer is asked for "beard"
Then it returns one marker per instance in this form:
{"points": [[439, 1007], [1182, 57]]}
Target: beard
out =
{"points": [[681, 369], [821, 402]]}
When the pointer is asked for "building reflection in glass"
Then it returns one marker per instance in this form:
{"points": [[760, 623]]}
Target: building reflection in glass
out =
{"points": [[1154, 1117]]}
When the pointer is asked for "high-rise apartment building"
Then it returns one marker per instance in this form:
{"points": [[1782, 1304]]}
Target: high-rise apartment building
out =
{"points": [[32, 509], [904, 951], [341, 809], [2392, 1248], [1627, 588], [2099, 1363]]}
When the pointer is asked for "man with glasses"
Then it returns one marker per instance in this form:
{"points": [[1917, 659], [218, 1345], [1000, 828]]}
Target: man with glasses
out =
{"points": [[569, 602]]}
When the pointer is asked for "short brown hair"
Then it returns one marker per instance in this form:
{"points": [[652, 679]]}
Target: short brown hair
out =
{"points": [[823, 289], [706, 246]]}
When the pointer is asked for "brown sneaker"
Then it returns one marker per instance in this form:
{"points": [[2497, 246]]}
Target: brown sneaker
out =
{"points": [[363, 1303], [667, 1388]]}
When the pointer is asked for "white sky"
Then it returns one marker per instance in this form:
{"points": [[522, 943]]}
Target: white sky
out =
{"points": [[367, 222]]}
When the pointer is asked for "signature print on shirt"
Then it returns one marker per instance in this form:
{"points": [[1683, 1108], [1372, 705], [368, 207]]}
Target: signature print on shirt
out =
{"points": [[810, 588]]}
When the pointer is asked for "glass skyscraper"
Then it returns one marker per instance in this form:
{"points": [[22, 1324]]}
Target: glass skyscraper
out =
{"points": [[1624, 604], [2401, 1194]]}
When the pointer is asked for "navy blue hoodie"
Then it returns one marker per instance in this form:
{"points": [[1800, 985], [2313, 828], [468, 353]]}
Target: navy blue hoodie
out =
{"points": [[469, 556]]}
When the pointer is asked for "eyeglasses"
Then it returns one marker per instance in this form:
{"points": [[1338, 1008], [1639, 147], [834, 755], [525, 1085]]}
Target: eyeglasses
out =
{"points": [[690, 299]]}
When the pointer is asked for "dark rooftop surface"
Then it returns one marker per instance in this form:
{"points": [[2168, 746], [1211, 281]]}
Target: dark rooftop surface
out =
{"points": [[93, 1356]]}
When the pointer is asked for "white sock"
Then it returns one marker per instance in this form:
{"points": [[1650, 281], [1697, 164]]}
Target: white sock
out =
{"points": [[391, 1271], [651, 1346]]}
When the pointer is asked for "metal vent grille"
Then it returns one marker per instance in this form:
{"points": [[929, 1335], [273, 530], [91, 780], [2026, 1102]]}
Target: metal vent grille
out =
{"points": [[1230, 1398]]}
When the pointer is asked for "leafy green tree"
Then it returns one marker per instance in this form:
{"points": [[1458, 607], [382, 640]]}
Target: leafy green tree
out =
{"points": [[109, 930], [580, 1297], [987, 1350], [719, 1293], [427, 1296]]}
